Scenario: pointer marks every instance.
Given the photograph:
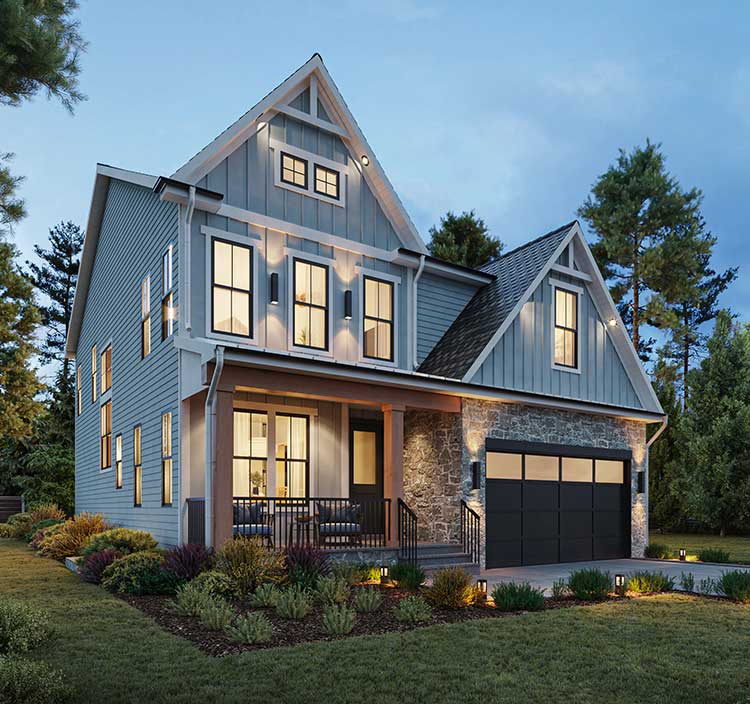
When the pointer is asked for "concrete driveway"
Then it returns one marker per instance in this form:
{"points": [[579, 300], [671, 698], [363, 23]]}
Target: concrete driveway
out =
{"points": [[542, 576]]}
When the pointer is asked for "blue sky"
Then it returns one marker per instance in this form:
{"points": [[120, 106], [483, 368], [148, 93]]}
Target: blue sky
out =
{"points": [[507, 108]]}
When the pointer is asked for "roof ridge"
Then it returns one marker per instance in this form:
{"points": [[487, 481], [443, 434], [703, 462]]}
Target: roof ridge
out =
{"points": [[556, 231]]}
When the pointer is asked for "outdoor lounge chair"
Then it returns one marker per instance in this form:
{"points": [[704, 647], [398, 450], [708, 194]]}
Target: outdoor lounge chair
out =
{"points": [[252, 520], [339, 524]]}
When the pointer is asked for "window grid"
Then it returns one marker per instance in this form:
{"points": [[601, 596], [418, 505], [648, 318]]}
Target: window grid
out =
{"points": [[118, 462], [137, 467], [377, 320], [93, 374], [105, 425], [566, 328], [293, 170], [307, 311], [145, 317], [232, 288], [289, 461], [166, 459], [106, 370], [326, 182], [167, 297]]}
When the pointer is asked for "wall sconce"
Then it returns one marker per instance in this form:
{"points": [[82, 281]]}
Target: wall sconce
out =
{"points": [[476, 468], [482, 586], [365, 160], [641, 482], [384, 572], [347, 305], [683, 554], [275, 289], [620, 584]]}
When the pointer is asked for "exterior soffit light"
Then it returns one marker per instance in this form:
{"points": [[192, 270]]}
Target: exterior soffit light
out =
{"points": [[365, 160], [612, 322]]}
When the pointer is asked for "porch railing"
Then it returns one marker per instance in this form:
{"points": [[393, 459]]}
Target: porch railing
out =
{"points": [[407, 533], [470, 531], [323, 522]]}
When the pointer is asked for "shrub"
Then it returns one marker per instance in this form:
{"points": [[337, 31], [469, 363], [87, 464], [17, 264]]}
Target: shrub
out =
{"points": [[214, 583], [338, 620], [590, 585], [40, 525], [6, 531], [735, 585], [266, 595], [332, 590], [21, 627], [36, 542], [355, 573], [139, 573], [367, 599], [687, 582], [658, 551], [412, 609], [251, 628], [707, 586], [560, 589], [19, 525], [649, 582], [188, 561], [216, 614], [293, 603], [70, 538], [93, 566], [124, 540], [46, 512], [713, 555], [248, 564], [509, 596], [190, 600], [408, 576], [27, 682], [305, 564], [451, 589]]}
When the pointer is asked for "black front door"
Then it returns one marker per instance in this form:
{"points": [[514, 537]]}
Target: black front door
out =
{"points": [[366, 471]]}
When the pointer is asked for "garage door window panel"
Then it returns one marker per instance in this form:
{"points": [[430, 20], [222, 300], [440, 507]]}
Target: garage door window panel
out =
{"points": [[504, 465], [577, 469], [542, 468]]}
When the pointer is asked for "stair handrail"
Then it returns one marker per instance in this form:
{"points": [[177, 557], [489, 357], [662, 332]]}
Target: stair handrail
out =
{"points": [[470, 523], [407, 533]]}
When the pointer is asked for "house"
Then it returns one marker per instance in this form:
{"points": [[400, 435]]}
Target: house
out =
{"points": [[264, 347]]}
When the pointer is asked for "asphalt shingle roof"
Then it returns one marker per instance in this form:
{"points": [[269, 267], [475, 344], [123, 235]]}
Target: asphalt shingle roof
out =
{"points": [[483, 315]]}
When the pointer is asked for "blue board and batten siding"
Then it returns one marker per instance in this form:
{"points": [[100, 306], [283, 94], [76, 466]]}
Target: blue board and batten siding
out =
{"points": [[135, 232], [522, 358]]}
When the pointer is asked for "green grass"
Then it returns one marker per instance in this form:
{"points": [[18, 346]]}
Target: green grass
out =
{"points": [[652, 649], [737, 546]]}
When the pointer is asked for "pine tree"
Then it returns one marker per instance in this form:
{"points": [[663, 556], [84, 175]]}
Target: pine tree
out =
{"points": [[632, 208], [12, 208], [463, 239]]}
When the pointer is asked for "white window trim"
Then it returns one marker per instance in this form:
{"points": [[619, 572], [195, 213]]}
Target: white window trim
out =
{"points": [[256, 246], [396, 281], [311, 160], [107, 395], [555, 284], [291, 255]]}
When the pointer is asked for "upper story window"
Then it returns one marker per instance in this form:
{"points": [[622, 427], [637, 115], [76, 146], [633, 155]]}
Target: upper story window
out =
{"points": [[232, 288], [167, 297], [166, 459], [105, 448], [293, 170], [566, 328], [93, 373], [378, 319], [145, 316], [326, 181], [310, 305], [106, 381]]}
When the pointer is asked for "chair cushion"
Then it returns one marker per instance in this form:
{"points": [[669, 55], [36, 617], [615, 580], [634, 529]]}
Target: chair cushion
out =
{"points": [[343, 513], [339, 528], [253, 529], [248, 513]]}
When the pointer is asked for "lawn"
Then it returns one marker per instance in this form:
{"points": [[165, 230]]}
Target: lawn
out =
{"points": [[737, 546], [647, 650]]}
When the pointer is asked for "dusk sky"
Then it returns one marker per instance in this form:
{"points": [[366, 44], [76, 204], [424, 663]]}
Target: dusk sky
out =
{"points": [[510, 111]]}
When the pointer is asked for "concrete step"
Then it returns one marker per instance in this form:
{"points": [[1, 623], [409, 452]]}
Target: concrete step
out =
{"points": [[469, 567], [439, 549]]}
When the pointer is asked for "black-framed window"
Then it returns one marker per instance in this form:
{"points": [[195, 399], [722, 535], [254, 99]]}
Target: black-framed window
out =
{"points": [[326, 181], [294, 170], [118, 462], [166, 459], [137, 467], [232, 284], [310, 305], [167, 296], [94, 359], [566, 328], [250, 456], [79, 391], [292, 455], [145, 317], [106, 369], [105, 432], [378, 319]]}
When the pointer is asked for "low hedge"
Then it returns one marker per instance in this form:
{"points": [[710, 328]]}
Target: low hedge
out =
{"points": [[124, 540], [139, 573]]}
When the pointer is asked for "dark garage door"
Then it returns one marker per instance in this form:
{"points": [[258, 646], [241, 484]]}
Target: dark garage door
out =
{"points": [[549, 503]]}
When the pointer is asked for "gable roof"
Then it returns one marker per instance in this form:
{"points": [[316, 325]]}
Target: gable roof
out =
{"points": [[491, 306], [476, 331], [337, 118]]}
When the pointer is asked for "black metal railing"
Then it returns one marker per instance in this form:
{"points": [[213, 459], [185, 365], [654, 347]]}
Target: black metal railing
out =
{"points": [[322, 522], [470, 531], [407, 533], [196, 520]]}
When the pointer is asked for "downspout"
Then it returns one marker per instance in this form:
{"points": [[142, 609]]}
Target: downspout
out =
{"points": [[188, 266], [209, 416], [650, 442], [417, 276]]}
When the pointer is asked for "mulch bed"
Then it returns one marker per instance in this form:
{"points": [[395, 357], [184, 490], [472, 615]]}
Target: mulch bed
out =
{"points": [[310, 629]]}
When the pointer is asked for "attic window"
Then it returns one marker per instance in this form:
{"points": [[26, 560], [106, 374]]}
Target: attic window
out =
{"points": [[326, 181], [293, 170], [566, 329]]}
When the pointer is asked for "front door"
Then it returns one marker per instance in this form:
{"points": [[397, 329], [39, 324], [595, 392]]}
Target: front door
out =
{"points": [[366, 471]]}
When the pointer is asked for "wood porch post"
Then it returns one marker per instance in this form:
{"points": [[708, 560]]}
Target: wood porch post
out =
{"points": [[223, 473], [393, 462]]}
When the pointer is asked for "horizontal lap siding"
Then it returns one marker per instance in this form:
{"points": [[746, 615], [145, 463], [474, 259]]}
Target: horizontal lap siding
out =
{"points": [[136, 230]]}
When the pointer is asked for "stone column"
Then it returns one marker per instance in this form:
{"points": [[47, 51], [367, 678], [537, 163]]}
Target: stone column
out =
{"points": [[393, 462], [223, 474]]}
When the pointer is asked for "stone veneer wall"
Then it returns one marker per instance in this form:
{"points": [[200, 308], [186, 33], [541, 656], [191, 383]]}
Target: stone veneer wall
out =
{"points": [[439, 449]]}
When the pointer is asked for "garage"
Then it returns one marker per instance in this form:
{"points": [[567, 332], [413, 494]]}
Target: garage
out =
{"points": [[555, 503]]}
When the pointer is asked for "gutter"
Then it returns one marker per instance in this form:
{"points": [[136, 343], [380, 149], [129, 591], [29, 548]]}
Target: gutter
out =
{"points": [[417, 276], [209, 417]]}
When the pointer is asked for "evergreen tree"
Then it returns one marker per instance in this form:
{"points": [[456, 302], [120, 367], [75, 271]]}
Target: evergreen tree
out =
{"points": [[463, 239], [11, 205], [632, 208]]}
